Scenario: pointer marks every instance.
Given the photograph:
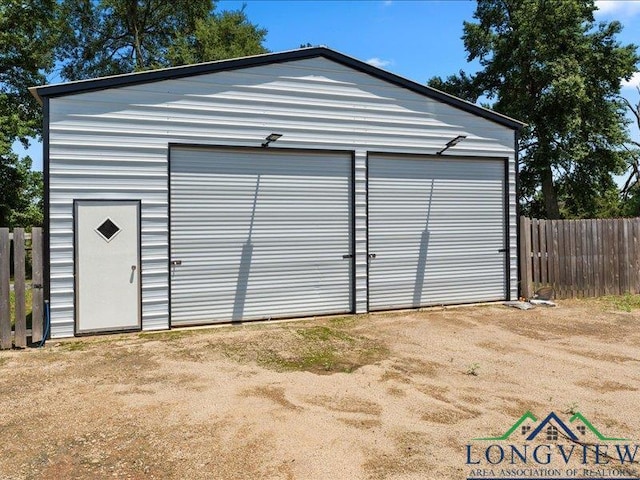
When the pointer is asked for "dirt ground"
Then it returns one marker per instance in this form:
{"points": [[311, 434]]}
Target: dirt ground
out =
{"points": [[391, 395]]}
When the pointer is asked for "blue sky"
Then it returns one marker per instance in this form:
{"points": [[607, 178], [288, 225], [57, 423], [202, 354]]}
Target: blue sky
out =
{"points": [[412, 38]]}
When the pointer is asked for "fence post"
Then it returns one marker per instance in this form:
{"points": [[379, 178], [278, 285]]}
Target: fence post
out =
{"points": [[5, 321], [535, 249], [556, 256], [526, 289], [636, 256], [36, 285], [20, 338]]}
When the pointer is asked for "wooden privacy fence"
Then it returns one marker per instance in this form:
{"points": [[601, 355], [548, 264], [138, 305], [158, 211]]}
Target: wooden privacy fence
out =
{"points": [[580, 258], [16, 287]]}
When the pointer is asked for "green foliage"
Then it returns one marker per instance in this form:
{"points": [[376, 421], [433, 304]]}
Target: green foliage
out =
{"points": [[548, 64], [26, 39], [460, 85], [108, 37], [27, 36], [219, 36], [20, 192]]}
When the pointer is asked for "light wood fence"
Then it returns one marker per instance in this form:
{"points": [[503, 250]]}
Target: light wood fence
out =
{"points": [[580, 258], [13, 288]]}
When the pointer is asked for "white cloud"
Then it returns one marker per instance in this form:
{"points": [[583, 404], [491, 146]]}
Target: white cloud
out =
{"points": [[618, 8], [633, 82], [380, 63], [386, 3]]}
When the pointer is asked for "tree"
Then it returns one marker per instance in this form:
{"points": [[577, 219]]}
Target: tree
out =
{"points": [[631, 189], [547, 63], [108, 37], [21, 192], [217, 37], [27, 35]]}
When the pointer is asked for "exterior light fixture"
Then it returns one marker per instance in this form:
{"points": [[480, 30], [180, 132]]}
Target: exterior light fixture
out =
{"points": [[452, 143], [271, 138]]}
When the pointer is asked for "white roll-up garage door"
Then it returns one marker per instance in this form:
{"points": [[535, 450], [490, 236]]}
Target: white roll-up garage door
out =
{"points": [[259, 233], [436, 231]]}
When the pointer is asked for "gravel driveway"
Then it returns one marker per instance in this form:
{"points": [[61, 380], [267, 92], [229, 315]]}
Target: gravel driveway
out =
{"points": [[393, 395]]}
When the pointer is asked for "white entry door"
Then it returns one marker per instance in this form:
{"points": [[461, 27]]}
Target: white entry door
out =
{"points": [[107, 265]]}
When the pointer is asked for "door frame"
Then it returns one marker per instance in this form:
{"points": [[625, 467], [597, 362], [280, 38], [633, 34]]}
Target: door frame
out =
{"points": [[249, 148], [76, 300], [505, 207]]}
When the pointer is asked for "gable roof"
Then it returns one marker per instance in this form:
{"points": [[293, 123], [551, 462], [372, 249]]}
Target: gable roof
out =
{"points": [[81, 86], [559, 423]]}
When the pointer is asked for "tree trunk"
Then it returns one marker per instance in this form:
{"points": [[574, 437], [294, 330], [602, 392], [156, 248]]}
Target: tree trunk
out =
{"points": [[549, 194]]}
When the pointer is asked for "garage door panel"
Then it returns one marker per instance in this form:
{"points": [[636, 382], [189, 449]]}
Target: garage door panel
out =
{"points": [[259, 234], [436, 227]]}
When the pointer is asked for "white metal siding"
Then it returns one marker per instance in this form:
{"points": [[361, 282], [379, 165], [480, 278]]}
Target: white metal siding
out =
{"points": [[259, 233], [114, 144], [436, 228]]}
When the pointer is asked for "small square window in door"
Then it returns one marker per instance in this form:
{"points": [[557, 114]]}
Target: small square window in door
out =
{"points": [[108, 229]]}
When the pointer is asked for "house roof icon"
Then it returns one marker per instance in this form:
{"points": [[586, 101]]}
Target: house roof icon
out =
{"points": [[553, 426], [594, 430], [557, 423]]}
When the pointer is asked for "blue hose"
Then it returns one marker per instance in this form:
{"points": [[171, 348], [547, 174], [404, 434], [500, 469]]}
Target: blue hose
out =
{"points": [[47, 323]]}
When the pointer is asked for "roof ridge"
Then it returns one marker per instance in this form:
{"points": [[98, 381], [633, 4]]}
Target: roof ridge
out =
{"points": [[147, 76]]}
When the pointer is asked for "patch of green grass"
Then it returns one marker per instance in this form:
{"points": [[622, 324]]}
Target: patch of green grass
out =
{"points": [[318, 349], [316, 359], [169, 335], [28, 301], [78, 346], [344, 322], [322, 333], [626, 303]]}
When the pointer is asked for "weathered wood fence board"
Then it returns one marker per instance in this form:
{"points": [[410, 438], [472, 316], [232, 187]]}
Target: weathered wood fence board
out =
{"points": [[580, 258], [37, 284], [20, 241], [5, 272], [19, 279]]}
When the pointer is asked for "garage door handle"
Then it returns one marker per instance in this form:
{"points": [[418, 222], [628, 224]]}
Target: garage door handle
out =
{"points": [[176, 262], [502, 250], [372, 255], [348, 255]]}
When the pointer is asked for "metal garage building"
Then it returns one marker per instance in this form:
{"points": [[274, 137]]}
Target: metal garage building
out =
{"points": [[281, 185]]}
